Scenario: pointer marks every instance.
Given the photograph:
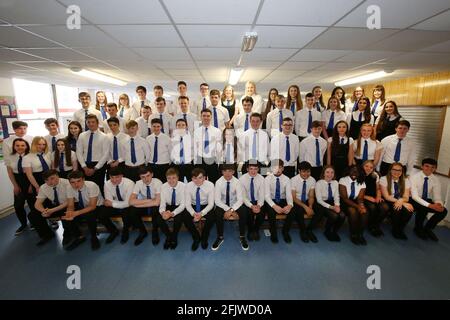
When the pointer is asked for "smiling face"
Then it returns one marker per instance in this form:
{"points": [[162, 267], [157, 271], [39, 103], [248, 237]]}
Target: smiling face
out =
{"points": [[229, 136], [333, 103], [52, 128], [85, 101], [255, 122], [204, 90], [116, 180], [61, 146], [353, 173], [293, 92], [101, 98], [247, 106], [358, 92], [141, 94], [362, 105], [389, 108], [339, 93], [228, 174], [401, 131], [273, 94], [206, 118], [199, 180], [74, 130], [342, 129], [428, 169], [250, 89], [368, 168], [317, 93], [328, 174], [252, 170], [20, 147], [366, 132], [20, 131], [396, 171], [184, 105], [228, 92], [214, 99], [172, 180], [41, 145], [287, 127]]}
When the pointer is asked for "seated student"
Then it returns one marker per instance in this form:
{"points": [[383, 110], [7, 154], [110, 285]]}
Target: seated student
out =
{"points": [[81, 115], [278, 196], [365, 147], [328, 203], [37, 162], [200, 203], [331, 117], [145, 200], [305, 117], [126, 112], [312, 149], [360, 116], [136, 152], [52, 126], [285, 146], [230, 148], [144, 122], [351, 190], [74, 129], [395, 188], [339, 152], [181, 154], [254, 196], [229, 205], [142, 101], [116, 141], [274, 120], [64, 160], [163, 116], [171, 108], [426, 198], [255, 144], [203, 102], [160, 147], [113, 112], [51, 201], [20, 131], [173, 205], [220, 117], [185, 114], [373, 199], [304, 201], [241, 122]]}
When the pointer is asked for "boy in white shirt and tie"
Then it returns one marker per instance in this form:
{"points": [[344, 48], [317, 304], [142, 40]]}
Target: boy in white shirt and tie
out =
{"points": [[204, 102], [142, 101], [182, 151], [163, 116], [305, 117], [312, 149], [136, 152], [52, 126], [160, 147], [285, 146], [274, 120]]}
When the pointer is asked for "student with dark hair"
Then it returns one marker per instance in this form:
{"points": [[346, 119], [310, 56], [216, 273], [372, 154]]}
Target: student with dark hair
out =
{"points": [[185, 114], [52, 126], [203, 102], [359, 117], [182, 151], [255, 144], [82, 114], [312, 149], [163, 116], [116, 141], [20, 131], [112, 111], [319, 105], [305, 117], [340, 152], [160, 148], [136, 152], [339, 93], [64, 160], [270, 104], [358, 93], [143, 122], [274, 120], [241, 122], [74, 129], [158, 92], [331, 116], [285, 146], [294, 99], [387, 121], [142, 101], [378, 100]]}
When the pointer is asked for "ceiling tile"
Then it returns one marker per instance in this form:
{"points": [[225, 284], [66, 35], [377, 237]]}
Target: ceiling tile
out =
{"points": [[441, 22], [216, 54], [144, 35], [411, 40], [110, 53], [319, 55], [270, 54], [16, 38], [213, 35], [368, 56], [298, 65], [286, 37], [11, 55], [57, 54], [441, 47], [164, 54], [33, 12]]}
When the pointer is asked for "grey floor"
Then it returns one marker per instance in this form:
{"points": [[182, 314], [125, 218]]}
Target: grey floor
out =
{"points": [[409, 270]]}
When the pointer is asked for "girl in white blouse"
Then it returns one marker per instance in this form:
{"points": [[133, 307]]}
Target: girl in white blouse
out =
{"points": [[64, 160], [294, 99], [37, 162], [357, 118], [250, 91], [126, 112], [366, 147], [331, 116], [230, 147]]}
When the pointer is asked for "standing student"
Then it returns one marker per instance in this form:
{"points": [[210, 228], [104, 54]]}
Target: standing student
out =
{"points": [[278, 196], [64, 160], [340, 152], [387, 121], [332, 115], [37, 162], [241, 122], [285, 146], [92, 152], [312, 149], [182, 151], [21, 185], [274, 120], [294, 99], [163, 116], [136, 152], [304, 202], [82, 114], [100, 103], [144, 122], [357, 118], [208, 146], [426, 198], [185, 114], [378, 100], [351, 191], [395, 188], [203, 102], [126, 112], [305, 117], [220, 117], [373, 199], [142, 101], [200, 203], [229, 205], [328, 203], [398, 148], [358, 93], [229, 102], [116, 142], [160, 148], [117, 194], [254, 196], [255, 144], [52, 126], [366, 147], [112, 111], [339, 93], [270, 104], [250, 91], [230, 148], [319, 105], [173, 206], [171, 108], [182, 92], [20, 131], [145, 200], [72, 136]]}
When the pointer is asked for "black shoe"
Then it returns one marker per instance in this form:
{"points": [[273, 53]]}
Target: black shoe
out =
{"points": [[20, 230], [355, 239], [204, 244], [32, 228], [112, 236], [155, 239], [45, 240], [140, 238], [286, 237], [421, 233], [124, 238], [256, 235], [329, 235], [244, 244], [250, 236], [273, 237], [217, 243], [75, 243], [195, 245], [311, 236], [95, 244], [166, 244], [66, 241], [173, 244], [362, 240], [431, 235], [402, 235], [304, 236]]}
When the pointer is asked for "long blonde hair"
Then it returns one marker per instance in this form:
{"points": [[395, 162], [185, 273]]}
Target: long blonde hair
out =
{"points": [[401, 180], [124, 96], [35, 142], [358, 141]]}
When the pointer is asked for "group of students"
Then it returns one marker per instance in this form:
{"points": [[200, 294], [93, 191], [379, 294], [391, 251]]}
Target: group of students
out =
{"points": [[324, 162]]}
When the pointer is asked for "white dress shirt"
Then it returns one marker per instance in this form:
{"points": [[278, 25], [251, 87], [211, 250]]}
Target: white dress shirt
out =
{"points": [[13, 161], [166, 197], [338, 116], [121, 140], [372, 147], [122, 127], [128, 113], [144, 126], [258, 182], [89, 190], [32, 161], [262, 145], [278, 148], [73, 157], [80, 116], [100, 148], [185, 141], [49, 139], [273, 120], [125, 189], [167, 121], [347, 183], [140, 189], [171, 108], [383, 182], [285, 190], [138, 104], [258, 104], [308, 150], [191, 119], [206, 197], [197, 106], [215, 143], [239, 123], [302, 118], [8, 143], [434, 189], [142, 151], [408, 152], [297, 186], [222, 116], [164, 148], [47, 192], [322, 193], [235, 194], [379, 108]]}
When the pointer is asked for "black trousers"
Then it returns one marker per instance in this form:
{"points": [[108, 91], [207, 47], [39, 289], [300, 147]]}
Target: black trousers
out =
{"points": [[108, 212], [272, 215], [300, 212], [242, 213], [334, 220], [73, 226], [399, 218], [210, 219], [136, 218], [377, 214], [22, 197], [289, 171], [159, 171], [254, 220], [357, 221], [182, 218], [41, 225], [98, 177], [184, 170], [384, 168], [211, 168], [132, 173], [421, 214], [316, 172]]}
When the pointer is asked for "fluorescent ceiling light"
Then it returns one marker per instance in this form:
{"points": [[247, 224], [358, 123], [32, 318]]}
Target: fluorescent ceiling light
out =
{"points": [[249, 41], [98, 76], [366, 77], [235, 74]]}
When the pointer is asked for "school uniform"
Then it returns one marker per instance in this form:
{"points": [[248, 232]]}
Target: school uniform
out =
{"points": [[191, 119], [199, 105], [292, 107], [137, 105], [72, 143], [201, 199], [302, 188], [166, 120], [303, 121], [170, 108], [39, 163], [62, 167], [258, 104], [253, 194], [377, 107], [319, 107], [230, 106], [331, 118], [355, 121], [8, 143], [122, 127], [136, 153], [387, 127], [160, 149], [286, 148], [81, 114], [128, 114], [241, 123], [102, 109], [274, 120], [397, 150], [228, 195], [339, 155], [228, 154], [143, 127], [367, 150], [376, 213], [327, 195], [356, 220], [255, 148], [182, 154], [116, 149], [278, 192], [51, 141], [313, 149], [219, 117], [207, 150]]}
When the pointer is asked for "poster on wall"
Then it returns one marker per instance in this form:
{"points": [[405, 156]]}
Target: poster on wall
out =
{"points": [[8, 114]]}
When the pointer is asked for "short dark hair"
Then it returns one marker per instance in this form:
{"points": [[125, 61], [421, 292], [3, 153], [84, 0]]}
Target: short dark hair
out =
{"points": [[49, 121], [156, 121], [27, 145], [49, 173], [430, 161], [227, 166], [204, 84], [214, 92], [253, 164], [17, 124], [183, 97], [277, 162], [159, 99], [141, 88], [158, 87], [181, 82], [113, 119], [248, 99], [84, 94], [206, 110], [111, 105], [76, 175], [316, 124], [198, 171], [115, 171], [304, 165], [403, 122], [309, 95], [91, 116], [257, 115], [181, 120], [287, 119], [143, 169]]}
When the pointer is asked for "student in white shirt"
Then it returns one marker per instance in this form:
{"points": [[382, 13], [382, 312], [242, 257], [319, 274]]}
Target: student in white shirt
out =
{"points": [[136, 152], [189, 117], [81, 115], [396, 188], [142, 101], [398, 148], [340, 151], [366, 147], [126, 112], [163, 116], [116, 141], [20, 131], [229, 102], [229, 205], [100, 103], [305, 117], [360, 116], [255, 144], [64, 160], [358, 93], [351, 191], [285, 146], [426, 198], [52, 126], [117, 194], [200, 203], [112, 111], [144, 122], [220, 117], [171, 108], [74, 130], [339, 93], [230, 153], [258, 102], [378, 100], [294, 99], [270, 104], [173, 206], [278, 196], [182, 92], [312, 149], [37, 162], [160, 147], [182, 151], [319, 105], [328, 203], [241, 122], [331, 116], [254, 196], [145, 199], [304, 202], [274, 120], [203, 102]]}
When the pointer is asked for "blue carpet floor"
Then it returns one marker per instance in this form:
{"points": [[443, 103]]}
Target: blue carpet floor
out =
{"points": [[414, 269]]}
